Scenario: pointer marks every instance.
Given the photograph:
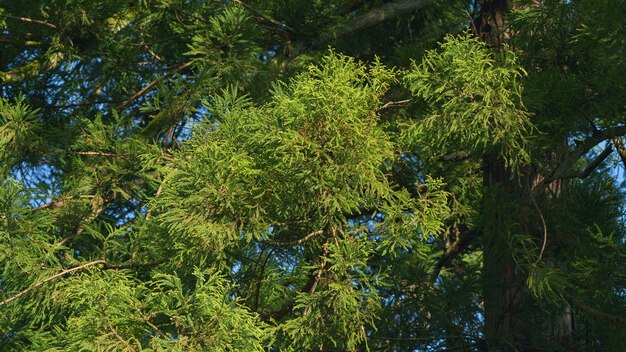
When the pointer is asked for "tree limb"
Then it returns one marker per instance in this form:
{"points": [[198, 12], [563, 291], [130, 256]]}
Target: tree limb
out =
{"points": [[451, 252], [593, 165], [59, 203], [621, 150], [104, 264], [393, 104], [592, 312], [50, 278], [371, 18], [265, 17], [129, 347], [583, 147], [30, 20], [152, 84]]}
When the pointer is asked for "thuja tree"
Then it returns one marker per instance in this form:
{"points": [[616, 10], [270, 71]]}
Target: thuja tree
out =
{"points": [[298, 175]]}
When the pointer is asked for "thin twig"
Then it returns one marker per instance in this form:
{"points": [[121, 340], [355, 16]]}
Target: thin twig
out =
{"points": [[296, 242], [104, 264], [316, 281], [59, 203], [582, 148], [393, 103], [76, 105], [30, 20], [145, 46], [545, 228], [50, 278], [265, 17], [157, 194], [115, 155], [590, 311], [129, 347], [474, 29], [152, 84], [147, 320], [452, 251]]}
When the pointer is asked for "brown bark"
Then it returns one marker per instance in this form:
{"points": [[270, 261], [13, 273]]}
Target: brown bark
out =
{"points": [[509, 310], [508, 207], [502, 283]]}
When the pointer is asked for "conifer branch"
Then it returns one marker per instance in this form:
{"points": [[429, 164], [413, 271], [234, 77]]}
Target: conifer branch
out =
{"points": [[132, 265], [592, 312], [104, 263], [50, 278], [371, 18]]}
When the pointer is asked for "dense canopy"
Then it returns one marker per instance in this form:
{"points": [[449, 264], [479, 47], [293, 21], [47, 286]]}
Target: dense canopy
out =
{"points": [[296, 175]]}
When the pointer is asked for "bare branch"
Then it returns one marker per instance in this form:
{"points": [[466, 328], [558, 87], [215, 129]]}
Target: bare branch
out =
{"points": [[30, 20], [452, 251], [593, 165], [115, 155], [76, 105], [393, 103], [583, 147], [59, 203], [152, 84], [371, 18]]}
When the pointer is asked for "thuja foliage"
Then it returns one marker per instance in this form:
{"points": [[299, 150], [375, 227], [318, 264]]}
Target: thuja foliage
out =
{"points": [[309, 175], [474, 98]]}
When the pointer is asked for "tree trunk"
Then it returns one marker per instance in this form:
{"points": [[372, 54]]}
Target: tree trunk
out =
{"points": [[503, 287], [510, 312]]}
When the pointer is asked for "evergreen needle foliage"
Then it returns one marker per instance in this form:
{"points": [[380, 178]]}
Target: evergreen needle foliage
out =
{"points": [[181, 175]]}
